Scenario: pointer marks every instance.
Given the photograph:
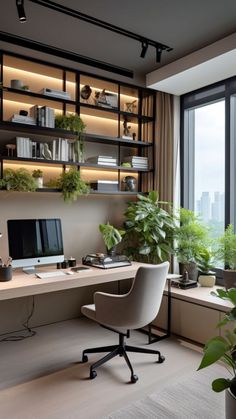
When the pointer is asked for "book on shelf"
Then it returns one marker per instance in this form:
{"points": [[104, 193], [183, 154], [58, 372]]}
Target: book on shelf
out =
{"points": [[105, 185], [55, 93], [44, 116], [22, 119], [102, 160]]}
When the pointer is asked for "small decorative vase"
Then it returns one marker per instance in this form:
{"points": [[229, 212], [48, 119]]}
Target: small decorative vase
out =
{"points": [[39, 182], [230, 404]]}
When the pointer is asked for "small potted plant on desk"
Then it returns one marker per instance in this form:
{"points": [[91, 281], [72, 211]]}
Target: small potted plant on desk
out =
{"points": [[224, 349], [111, 236], [226, 252]]}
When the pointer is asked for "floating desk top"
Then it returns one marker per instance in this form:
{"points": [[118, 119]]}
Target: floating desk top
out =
{"points": [[23, 285]]}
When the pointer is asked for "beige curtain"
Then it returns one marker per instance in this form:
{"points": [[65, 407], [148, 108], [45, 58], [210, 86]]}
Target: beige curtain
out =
{"points": [[164, 147]]}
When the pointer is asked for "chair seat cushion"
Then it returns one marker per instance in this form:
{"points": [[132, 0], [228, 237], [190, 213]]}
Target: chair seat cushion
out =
{"points": [[89, 311]]}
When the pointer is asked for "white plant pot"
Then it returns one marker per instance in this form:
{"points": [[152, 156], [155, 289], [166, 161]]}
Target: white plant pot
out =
{"points": [[39, 182], [230, 405], [207, 280]]}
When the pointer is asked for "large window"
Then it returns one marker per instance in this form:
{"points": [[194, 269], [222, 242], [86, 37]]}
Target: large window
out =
{"points": [[208, 154]]}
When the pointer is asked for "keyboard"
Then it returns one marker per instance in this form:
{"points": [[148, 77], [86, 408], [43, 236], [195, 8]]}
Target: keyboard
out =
{"points": [[50, 274]]}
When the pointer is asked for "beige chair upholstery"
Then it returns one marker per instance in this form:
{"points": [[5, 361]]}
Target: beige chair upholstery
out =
{"points": [[133, 310]]}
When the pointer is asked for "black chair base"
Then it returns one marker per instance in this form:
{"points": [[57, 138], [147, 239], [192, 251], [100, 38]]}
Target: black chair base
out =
{"points": [[121, 350]]}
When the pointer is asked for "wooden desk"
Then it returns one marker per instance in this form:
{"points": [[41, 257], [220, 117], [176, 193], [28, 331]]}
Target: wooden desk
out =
{"points": [[23, 285]]}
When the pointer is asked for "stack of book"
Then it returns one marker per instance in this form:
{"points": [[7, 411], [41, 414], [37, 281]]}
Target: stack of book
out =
{"points": [[22, 119], [55, 93], [137, 162], [105, 185], [59, 149], [44, 116], [102, 160]]}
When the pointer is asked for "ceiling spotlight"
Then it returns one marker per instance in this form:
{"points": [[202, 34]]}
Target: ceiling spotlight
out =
{"points": [[21, 10], [158, 54], [144, 49]]}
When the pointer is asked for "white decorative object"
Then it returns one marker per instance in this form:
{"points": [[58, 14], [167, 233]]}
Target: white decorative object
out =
{"points": [[207, 280]]}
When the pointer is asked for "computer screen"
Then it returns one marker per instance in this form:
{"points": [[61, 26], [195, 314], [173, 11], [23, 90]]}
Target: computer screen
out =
{"points": [[35, 242]]}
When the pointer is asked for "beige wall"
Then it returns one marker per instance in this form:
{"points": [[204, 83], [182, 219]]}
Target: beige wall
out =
{"points": [[80, 222]]}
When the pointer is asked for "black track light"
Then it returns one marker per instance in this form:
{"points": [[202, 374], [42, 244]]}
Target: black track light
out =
{"points": [[144, 49], [158, 54], [21, 10]]}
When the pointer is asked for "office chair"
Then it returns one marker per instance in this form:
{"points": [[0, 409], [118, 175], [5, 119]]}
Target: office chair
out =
{"points": [[121, 313]]}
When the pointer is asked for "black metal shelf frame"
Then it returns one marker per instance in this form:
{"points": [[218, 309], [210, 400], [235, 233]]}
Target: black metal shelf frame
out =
{"points": [[46, 132]]}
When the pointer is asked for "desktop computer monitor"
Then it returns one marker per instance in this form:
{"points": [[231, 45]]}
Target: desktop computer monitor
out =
{"points": [[35, 242]]}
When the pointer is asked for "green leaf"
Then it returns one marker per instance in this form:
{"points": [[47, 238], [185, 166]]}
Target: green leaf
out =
{"points": [[220, 384], [145, 250], [213, 351], [153, 196], [232, 295]]}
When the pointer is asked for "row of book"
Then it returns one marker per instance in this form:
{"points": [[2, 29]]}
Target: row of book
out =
{"points": [[44, 116], [137, 162], [102, 160], [60, 149]]}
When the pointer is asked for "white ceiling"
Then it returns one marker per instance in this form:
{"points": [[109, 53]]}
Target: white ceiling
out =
{"points": [[202, 68], [184, 25]]}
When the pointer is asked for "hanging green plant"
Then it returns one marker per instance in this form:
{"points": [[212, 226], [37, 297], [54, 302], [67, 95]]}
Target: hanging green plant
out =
{"points": [[72, 185], [74, 123], [18, 180]]}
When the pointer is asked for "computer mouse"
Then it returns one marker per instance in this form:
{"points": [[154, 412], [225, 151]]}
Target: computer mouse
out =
{"points": [[69, 273]]}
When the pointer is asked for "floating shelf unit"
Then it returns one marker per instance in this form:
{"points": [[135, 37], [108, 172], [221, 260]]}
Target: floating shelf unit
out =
{"points": [[110, 109]]}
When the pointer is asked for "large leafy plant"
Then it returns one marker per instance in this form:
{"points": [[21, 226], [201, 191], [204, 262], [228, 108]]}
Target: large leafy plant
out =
{"points": [[190, 236], [149, 229], [223, 348], [111, 235]]}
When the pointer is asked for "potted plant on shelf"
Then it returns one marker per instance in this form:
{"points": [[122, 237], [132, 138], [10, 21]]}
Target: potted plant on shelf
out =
{"points": [[72, 185], [226, 252], [111, 236], [223, 349], [149, 229], [18, 180], [205, 263], [38, 177], [190, 235], [74, 123]]}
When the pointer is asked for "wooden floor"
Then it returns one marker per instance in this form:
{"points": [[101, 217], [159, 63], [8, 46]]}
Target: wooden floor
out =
{"points": [[42, 377]]}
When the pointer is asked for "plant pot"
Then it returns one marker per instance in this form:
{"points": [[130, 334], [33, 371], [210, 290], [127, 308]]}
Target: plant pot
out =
{"points": [[191, 268], [230, 404], [112, 251], [5, 273], [39, 182], [229, 277], [207, 280]]}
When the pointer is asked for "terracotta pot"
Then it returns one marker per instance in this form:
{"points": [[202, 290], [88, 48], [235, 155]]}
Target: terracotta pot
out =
{"points": [[229, 277], [191, 268], [230, 404]]}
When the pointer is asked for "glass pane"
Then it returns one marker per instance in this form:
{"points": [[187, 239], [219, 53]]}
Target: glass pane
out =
{"points": [[209, 164]]}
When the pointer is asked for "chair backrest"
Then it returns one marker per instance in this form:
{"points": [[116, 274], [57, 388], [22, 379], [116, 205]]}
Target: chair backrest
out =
{"points": [[141, 304]]}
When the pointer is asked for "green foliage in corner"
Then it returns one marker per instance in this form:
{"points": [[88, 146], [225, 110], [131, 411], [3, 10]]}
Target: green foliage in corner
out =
{"points": [[149, 229]]}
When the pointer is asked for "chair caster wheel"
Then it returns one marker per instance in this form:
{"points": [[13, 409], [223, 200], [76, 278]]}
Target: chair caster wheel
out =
{"points": [[84, 358], [93, 374], [161, 359], [134, 378]]}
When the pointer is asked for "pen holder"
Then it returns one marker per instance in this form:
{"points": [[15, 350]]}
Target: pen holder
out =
{"points": [[5, 273]]}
